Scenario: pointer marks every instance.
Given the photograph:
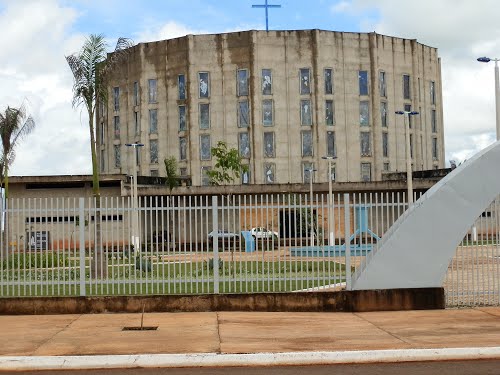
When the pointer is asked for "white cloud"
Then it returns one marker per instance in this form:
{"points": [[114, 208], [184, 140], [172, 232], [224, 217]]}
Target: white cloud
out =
{"points": [[340, 7]]}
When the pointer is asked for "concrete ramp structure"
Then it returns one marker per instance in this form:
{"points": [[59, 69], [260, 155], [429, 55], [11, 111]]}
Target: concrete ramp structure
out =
{"points": [[416, 251]]}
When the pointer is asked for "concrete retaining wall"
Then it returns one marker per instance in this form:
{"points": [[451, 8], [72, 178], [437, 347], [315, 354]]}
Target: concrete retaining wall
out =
{"points": [[339, 301]]}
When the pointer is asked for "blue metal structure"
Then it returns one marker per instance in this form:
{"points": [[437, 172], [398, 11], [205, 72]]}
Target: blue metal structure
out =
{"points": [[266, 6]]}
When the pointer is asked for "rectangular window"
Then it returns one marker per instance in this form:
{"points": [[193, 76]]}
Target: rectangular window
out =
{"points": [[434, 149], [267, 112], [267, 82], [102, 109], [305, 81], [136, 93], [333, 172], [153, 173], [305, 112], [153, 151], [183, 171], [204, 116], [408, 109], [152, 90], [244, 145], [307, 144], [328, 81], [205, 147], [411, 146], [307, 172], [137, 123], [116, 98], [116, 126], [182, 117], [153, 121], [243, 120], [433, 92], [383, 114], [385, 145], [387, 167], [137, 156], [269, 145], [269, 173], [103, 132], [366, 172], [117, 156], [242, 82], [406, 86], [382, 84], [330, 144], [245, 177], [365, 144], [204, 84], [363, 82], [433, 121], [364, 113], [205, 180], [330, 113], [103, 154], [181, 84], [182, 148]]}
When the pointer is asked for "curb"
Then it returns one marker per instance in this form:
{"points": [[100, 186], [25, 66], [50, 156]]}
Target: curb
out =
{"points": [[27, 363]]}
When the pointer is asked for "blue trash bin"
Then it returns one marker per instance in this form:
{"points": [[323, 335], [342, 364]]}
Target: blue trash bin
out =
{"points": [[249, 241]]}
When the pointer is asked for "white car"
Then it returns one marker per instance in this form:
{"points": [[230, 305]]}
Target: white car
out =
{"points": [[222, 234], [261, 232]]}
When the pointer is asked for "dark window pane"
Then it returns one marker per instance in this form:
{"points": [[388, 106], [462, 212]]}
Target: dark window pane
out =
{"points": [[243, 120], [365, 144], [269, 145], [363, 82], [305, 82], [153, 151], [267, 82], [204, 116], [406, 86], [366, 172], [117, 156], [152, 89], [305, 112], [433, 121], [182, 148], [116, 98], [116, 126], [182, 86], [267, 112], [244, 145], [153, 121], [307, 146], [205, 147], [330, 113], [330, 144], [385, 144], [383, 114], [204, 88], [364, 113], [382, 85], [182, 117], [242, 82], [269, 173], [328, 81]]}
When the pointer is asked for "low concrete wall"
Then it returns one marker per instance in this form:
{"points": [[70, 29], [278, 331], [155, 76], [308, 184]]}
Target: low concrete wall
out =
{"points": [[338, 301]]}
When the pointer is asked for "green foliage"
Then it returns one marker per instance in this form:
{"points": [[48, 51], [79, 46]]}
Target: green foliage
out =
{"points": [[25, 261], [228, 166], [171, 172]]}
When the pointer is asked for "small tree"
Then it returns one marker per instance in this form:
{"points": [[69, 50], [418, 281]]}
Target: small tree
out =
{"points": [[228, 166], [171, 173]]}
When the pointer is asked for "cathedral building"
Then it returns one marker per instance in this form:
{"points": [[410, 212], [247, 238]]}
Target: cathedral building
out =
{"points": [[284, 99]]}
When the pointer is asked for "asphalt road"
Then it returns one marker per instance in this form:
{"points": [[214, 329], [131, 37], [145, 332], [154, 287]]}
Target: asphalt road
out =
{"points": [[479, 367]]}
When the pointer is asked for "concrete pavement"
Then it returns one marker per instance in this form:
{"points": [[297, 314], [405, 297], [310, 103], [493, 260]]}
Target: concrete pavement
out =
{"points": [[26, 339]]}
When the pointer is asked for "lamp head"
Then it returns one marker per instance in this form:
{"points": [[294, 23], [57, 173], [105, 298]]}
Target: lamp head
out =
{"points": [[484, 59], [399, 112], [413, 113]]}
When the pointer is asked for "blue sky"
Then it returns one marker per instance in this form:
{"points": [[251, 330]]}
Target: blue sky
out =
{"points": [[37, 34]]}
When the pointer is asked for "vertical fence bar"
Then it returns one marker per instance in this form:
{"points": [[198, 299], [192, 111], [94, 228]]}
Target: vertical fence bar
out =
{"points": [[215, 238], [347, 235], [81, 216]]}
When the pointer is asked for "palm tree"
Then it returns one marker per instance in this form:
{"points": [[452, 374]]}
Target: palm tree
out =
{"points": [[15, 124], [91, 68]]}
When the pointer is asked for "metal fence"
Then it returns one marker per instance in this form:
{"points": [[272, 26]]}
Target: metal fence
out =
{"points": [[219, 244]]}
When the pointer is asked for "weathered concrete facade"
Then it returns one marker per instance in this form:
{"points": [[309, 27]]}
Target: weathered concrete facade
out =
{"points": [[308, 93]]}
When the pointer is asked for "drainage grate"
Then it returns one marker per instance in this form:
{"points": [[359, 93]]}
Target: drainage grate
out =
{"points": [[139, 328]]}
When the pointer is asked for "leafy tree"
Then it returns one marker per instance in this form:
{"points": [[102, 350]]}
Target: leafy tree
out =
{"points": [[91, 68], [171, 173], [228, 166], [15, 124]]}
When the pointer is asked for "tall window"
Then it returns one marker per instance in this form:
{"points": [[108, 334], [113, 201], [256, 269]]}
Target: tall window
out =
{"points": [[182, 117], [411, 146], [153, 151], [152, 91], [307, 144], [434, 149], [305, 81], [406, 86], [330, 113], [267, 82], [244, 145], [245, 177], [181, 84], [153, 121], [433, 121], [267, 112], [269, 145], [330, 144], [307, 173], [387, 166], [328, 81], [366, 172], [136, 93], [382, 84], [433, 92], [242, 82], [137, 123], [383, 114], [103, 154], [269, 173], [117, 156], [333, 172], [204, 84], [204, 115], [116, 126], [205, 180], [305, 112], [365, 144], [182, 148], [137, 156], [116, 98], [364, 113], [205, 147], [103, 132], [385, 145], [363, 82], [243, 115]]}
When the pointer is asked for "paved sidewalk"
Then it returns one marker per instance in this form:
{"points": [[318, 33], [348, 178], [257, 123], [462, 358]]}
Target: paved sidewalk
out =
{"points": [[248, 332]]}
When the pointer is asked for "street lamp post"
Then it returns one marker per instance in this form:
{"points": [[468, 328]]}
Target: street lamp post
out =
{"points": [[497, 91], [331, 237], [311, 170], [135, 217], [409, 179]]}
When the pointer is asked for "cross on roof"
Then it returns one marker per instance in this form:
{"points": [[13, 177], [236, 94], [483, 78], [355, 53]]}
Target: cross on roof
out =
{"points": [[266, 5]]}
